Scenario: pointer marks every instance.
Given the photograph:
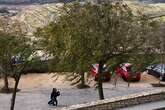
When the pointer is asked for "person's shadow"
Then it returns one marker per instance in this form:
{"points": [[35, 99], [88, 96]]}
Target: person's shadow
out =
{"points": [[58, 106]]}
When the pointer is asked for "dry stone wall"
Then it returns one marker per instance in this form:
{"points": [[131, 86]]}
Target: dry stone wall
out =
{"points": [[122, 101]]}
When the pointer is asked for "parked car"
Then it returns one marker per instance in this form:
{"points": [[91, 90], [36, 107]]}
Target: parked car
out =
{"points": [[105, 75], [157, 71], [127, 72]]}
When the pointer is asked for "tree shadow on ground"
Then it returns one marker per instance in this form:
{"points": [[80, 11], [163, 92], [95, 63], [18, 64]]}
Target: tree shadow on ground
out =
{"points": [[80, 86], [8, 91], [158, 85]]}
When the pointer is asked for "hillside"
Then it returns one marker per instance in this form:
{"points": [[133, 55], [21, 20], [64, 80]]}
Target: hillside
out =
{"points": [[39, 15], [35, 16], [147, 8], [27, 2]]}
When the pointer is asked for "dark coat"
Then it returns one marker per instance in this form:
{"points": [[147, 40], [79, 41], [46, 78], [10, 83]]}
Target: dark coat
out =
{"points": [[55, 94]]}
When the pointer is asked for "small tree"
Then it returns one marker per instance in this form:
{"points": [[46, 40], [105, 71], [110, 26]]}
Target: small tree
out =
{"points": [[14, 46], [3, 61], [4, 24], [8, 29], [15, 52]]}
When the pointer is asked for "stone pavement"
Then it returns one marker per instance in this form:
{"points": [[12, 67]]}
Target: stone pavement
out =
{"points": [[36, 99]]}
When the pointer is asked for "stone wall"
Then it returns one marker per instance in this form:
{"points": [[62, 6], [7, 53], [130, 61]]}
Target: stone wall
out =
{"points": [[122, 101]]}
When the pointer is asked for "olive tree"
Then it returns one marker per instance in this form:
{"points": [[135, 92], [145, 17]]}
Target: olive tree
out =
{"points": [[94, 33]]}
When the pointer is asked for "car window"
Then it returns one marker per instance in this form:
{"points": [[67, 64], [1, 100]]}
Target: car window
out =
{"points": [[156, 68], [124, 68], [159, 69]]}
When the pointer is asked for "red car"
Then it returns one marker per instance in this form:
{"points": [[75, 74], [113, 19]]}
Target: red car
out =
{"points": [[94, 72], [125, 70]]}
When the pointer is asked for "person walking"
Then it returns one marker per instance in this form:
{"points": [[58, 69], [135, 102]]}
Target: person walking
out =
{"points": [[53, 97]]}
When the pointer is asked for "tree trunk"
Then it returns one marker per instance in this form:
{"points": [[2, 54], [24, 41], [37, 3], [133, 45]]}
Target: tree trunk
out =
{"points": [[6, 84], [82, 79], [115, 80], [100, 85], [128, 83], [14, 92]]}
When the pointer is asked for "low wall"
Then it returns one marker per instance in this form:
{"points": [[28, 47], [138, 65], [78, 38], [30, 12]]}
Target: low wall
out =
{"points": [[122, 101]]}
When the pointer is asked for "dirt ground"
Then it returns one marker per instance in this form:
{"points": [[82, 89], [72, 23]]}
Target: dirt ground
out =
{"points": [[49, 80], [31, 81]]}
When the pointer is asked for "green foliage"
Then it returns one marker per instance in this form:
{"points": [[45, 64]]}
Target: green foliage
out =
{"points": [[37, 66], [12, 46], [87, 33], [15, 52], [13, 42], [141, 61]]}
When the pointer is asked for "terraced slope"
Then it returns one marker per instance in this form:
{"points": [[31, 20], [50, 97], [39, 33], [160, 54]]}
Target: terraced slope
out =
{"points": [[21, 2], [35, 16]]}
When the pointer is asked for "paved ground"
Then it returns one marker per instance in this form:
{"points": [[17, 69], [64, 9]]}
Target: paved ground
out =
{"points": [[36, 89], [36, 99]]}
